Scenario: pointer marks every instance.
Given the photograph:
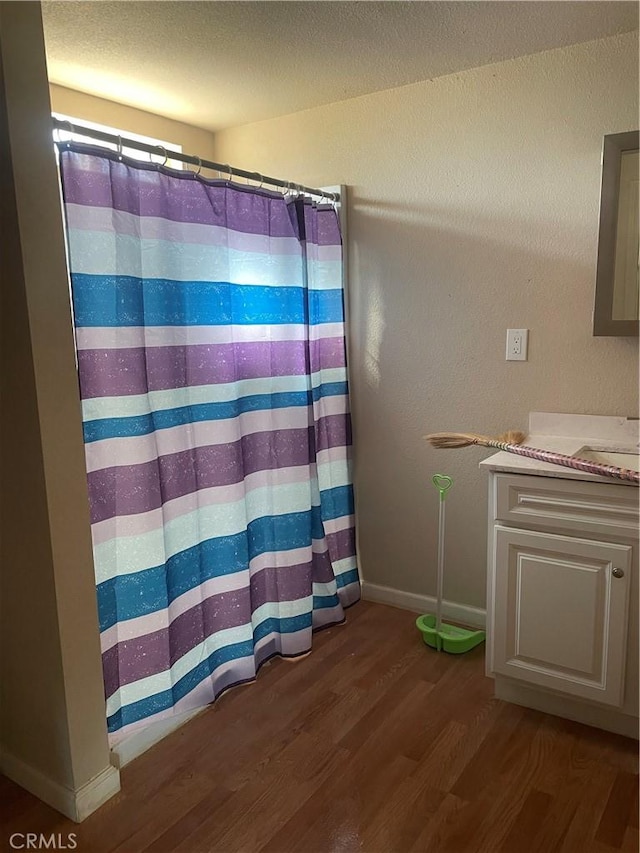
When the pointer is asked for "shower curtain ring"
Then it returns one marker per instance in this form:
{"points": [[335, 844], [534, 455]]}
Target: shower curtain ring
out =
{"points": [[166, 156], [72, 130], [195, 157], [119, 147], [230, 171]]}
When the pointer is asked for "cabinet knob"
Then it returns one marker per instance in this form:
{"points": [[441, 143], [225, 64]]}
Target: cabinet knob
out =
{"points": [[617, 573]]}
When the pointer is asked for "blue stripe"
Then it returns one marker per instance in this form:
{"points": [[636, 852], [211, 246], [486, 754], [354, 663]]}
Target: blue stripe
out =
{"points": [[168, 698], [347, 578], [286, 625], [140, 593], [329, 389], [336, 502], [123, 300], [134, 425], [320, 602]]}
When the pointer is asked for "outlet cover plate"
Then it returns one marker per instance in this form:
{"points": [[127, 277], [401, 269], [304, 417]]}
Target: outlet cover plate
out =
{"points": [[517, 344]]}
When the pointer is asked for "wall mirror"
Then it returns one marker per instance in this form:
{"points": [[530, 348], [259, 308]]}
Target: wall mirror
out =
{"points": [[616, 300]]}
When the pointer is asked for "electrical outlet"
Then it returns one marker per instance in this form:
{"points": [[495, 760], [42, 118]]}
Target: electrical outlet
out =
{"points": [[517, 344]]}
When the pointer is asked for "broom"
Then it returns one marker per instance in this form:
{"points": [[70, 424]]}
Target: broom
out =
{"points": [[511, 441]]}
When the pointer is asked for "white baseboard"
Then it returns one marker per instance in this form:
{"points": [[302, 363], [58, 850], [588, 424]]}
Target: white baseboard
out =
{"points": [[474, 617], [74, 804], [140, 741], [96, 792], [609, 719]]}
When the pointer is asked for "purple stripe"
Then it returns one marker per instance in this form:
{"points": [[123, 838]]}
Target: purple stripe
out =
{"points": [[327, 353], [141, 657], [322, 568], [132, 489], [321, 226], [104, 181], [342, 544], [333, 431], [136, 370]]}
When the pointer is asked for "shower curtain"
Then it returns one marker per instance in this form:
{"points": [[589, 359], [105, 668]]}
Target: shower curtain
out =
{"points": [[209, 322]]}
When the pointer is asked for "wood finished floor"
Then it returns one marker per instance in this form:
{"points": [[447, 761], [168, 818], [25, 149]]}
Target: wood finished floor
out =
{"points": [[373, 743]]}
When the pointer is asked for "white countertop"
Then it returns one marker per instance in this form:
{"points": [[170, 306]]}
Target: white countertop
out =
{"points": [[566, 433]]}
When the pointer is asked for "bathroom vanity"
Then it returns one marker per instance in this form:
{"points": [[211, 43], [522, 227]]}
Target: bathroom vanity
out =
{"points": [[562, 596]]}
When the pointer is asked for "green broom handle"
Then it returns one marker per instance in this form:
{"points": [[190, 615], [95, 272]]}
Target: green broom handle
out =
{"points": [[443, 483]]}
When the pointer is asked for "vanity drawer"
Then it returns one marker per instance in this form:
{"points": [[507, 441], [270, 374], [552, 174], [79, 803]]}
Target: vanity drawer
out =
{"points": [[588, 507]]}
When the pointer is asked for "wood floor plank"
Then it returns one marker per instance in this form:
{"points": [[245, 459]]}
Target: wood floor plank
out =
{"points": [[486, 759], [396, 826], [258, 810], [439, 826], [591, 805], [184, 827], [336, 814], [631, 842], [617, 813], [444, 763], [373, 743], [528, 823], [495, 799]]}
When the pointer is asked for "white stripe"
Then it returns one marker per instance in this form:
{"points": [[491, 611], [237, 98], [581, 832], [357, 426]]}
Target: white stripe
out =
{"points": [[202, 694], [145, 522], [329, 473], [323, 589], [155, 519], [152, 684], [165, 680], [294, 643], [139, 449], [340, 453], [115, 337], [281, 610], [327, 374], [327, 615], [133, 554], [348, 564], [94, 252], [84, 217], [206, 691], [335, 525], [156, 401], [139, 626], [130, 554]]}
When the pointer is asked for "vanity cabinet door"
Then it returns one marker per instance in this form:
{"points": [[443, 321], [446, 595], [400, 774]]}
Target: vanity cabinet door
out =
{"points": [[561, 612]]}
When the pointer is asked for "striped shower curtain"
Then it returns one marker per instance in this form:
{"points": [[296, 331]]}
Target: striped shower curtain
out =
{"points": [[209, 328]]}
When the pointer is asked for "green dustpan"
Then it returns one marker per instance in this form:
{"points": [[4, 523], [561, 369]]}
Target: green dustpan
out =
{"points": [[436, 633], [449, 638]]}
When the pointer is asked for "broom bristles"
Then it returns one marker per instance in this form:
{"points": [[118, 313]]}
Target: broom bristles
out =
{"points": [[512, 436], [453, 439], [450, 440]]}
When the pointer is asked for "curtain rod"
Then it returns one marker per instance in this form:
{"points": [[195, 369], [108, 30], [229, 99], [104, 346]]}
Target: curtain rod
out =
{"points": [[192, 159]]}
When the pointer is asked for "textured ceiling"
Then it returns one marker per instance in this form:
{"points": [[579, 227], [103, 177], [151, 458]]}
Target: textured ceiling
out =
{"points": [[219, 64]]}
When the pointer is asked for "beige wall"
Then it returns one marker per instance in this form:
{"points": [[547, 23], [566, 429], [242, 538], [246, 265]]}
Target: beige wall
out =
{"points": [[473, 208], [53, 734], [194, 140]]}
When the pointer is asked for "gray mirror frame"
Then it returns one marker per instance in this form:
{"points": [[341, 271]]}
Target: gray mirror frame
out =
{"points": [[603, 322]]}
